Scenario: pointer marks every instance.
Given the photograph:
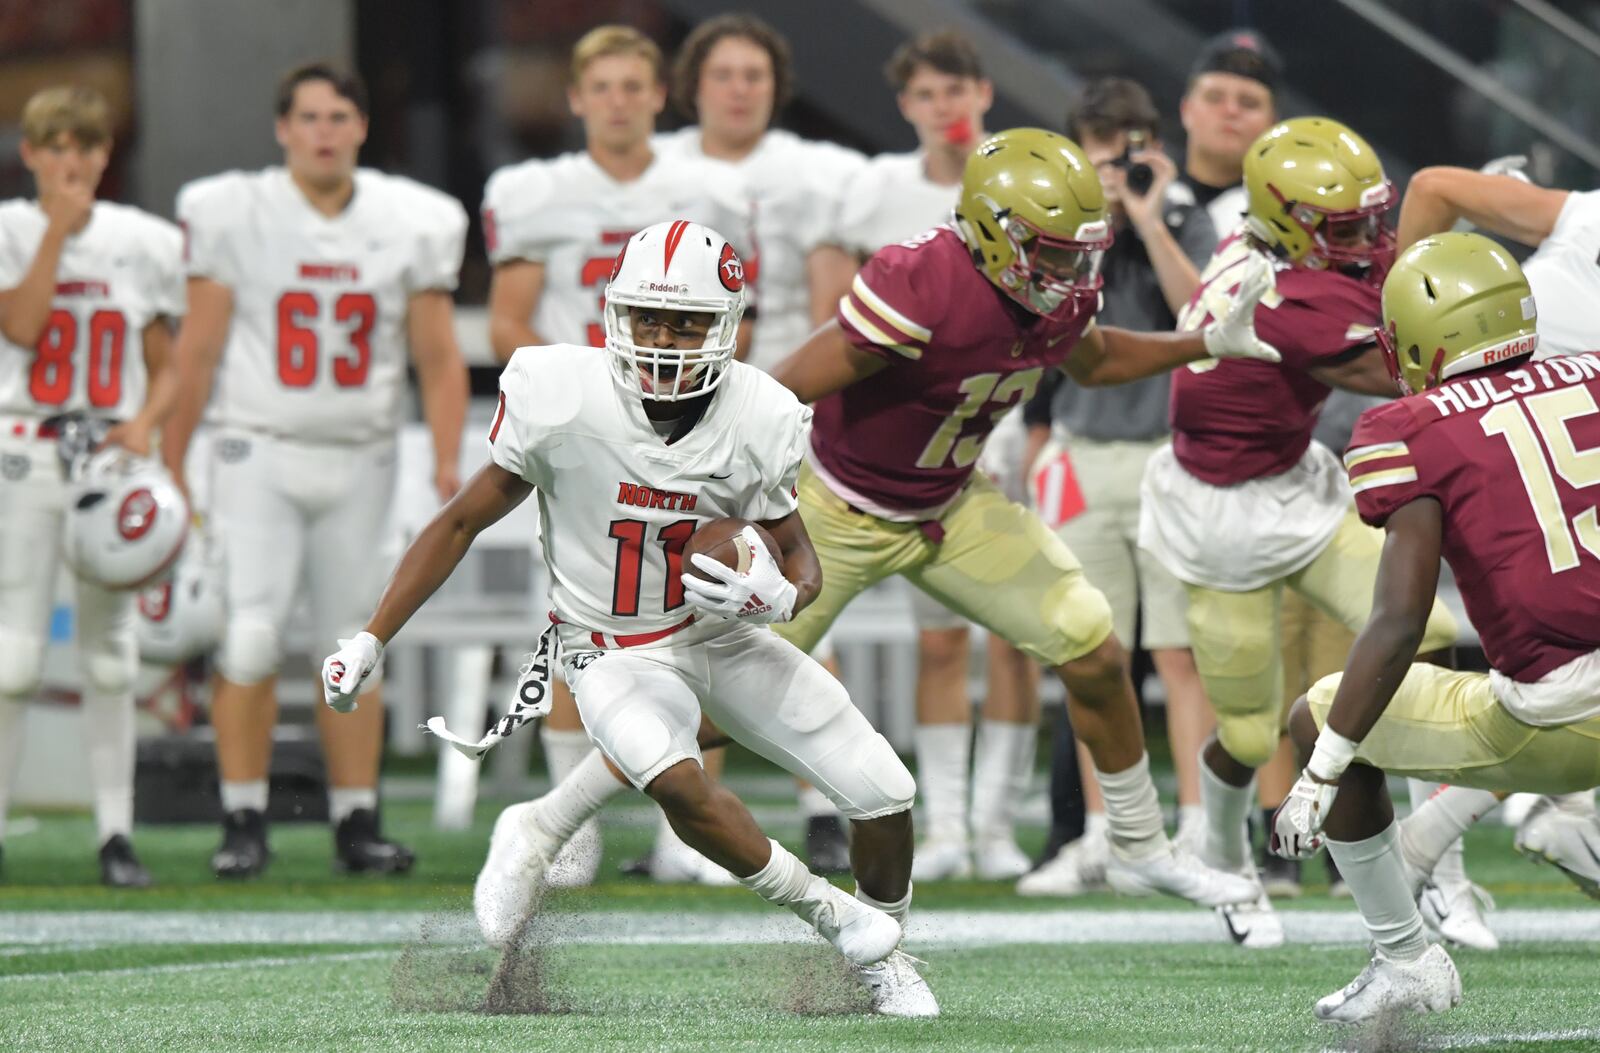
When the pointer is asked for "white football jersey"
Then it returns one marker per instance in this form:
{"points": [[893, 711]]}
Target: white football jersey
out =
{"points": [[317, 345], [891, 199], [571, 216], [119, 273], [617, 502], [1565, 276], [796, 185]]}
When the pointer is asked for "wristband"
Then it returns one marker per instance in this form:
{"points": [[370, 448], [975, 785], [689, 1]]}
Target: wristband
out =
{"points": [[1332, 755]]}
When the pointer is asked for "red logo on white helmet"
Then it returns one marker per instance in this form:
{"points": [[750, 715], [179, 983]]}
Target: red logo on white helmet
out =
{"points": [[730, 269], [137, 514]]}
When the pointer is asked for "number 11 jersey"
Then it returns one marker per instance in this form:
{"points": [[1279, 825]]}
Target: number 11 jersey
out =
{"points": [[317, 345]]}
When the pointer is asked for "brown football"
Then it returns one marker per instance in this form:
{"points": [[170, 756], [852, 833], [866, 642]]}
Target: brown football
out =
{"points": [[720, 540]]}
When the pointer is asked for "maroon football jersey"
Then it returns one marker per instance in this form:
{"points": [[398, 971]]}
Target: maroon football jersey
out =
{"points": [[1513, 456], [1239, 419], [903, 442]]}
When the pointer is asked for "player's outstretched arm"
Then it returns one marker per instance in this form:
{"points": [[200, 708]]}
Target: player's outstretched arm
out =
{"points": [[800, 563], [825, 363], [1363, 373], [1437, 197], [199, 349], [432, 557], [514, 293], [442, 380], [1107, 355]]}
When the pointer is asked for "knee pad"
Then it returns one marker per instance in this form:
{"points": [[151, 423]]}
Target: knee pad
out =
{"points": [[875, 782], [21, 662], [250, 652], [1077, 618], [1250, 738], [640, 743], [110, 665]]}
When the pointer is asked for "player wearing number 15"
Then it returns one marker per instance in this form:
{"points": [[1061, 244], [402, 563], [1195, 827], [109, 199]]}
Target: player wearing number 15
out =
{"points": [[937, 338], [306, 284], [87, 293]]}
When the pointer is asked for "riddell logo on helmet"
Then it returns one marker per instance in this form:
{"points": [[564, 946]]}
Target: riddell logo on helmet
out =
{"points": [[1510, 349], [675, 288], [137, 514]]}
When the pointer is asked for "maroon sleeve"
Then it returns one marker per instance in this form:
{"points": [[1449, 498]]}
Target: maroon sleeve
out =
{"points": [[1385, 471], [896, 300], [1322, 316]]}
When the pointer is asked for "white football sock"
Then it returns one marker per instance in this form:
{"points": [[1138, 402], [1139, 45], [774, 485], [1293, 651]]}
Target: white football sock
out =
{"points": [[1451, 869], [1376, 876], [12, 712], [1227, 840], [108, 733], [813, 802], [1438, 823], [342, 800], [786, 882], [237, 795], [943, 752], [563, 752], [1191, 817], [1580, 804], [899, 910], [577, 798], [1133, 811], [1001, 770]]}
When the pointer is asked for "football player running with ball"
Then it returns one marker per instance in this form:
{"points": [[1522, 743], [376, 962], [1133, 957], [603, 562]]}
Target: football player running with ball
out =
{"points": [[937, 339], [1490, 462], [631, 450]]}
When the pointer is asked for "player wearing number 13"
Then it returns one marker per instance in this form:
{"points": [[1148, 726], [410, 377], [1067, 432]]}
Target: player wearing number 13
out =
{"points": [[306, 283], [936, 340]]}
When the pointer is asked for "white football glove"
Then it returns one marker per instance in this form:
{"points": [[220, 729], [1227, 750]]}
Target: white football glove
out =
{"points": [[344, 671], [1513, 166], [761, 594], [1232, 331], [1297, 824]]}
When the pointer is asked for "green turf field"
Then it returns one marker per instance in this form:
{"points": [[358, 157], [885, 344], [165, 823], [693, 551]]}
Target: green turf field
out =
{"points": [[304, 960]]}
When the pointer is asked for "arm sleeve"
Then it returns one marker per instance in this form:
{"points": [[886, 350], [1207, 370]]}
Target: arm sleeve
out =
{"points": [[859, 201], [781, 496], [1037, 411], [512, 434], [1315, 325], [517, 217], [830, 169], [1578, 224], [893, 304], [441, 246], [1384, 472], [206, 220]]}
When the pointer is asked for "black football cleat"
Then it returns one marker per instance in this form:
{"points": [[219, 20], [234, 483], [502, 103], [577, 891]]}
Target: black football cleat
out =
{"points": [[244, 851], [358, 848], [119, 867], [827, 846]]}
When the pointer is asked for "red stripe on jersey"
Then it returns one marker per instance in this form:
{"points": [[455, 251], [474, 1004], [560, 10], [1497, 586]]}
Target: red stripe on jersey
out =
{"points": [[674, 236], [499, 415]]}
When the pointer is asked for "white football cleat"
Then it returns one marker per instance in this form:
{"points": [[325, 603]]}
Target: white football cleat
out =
{"points": [[1568, 840], [1454, 912], [897, 989], [508, 886], [1079, 868], [1178, 874], [674, 862], [578, 862], [862, 933], [1428, 985], [940, 859], [999, 858], [1254, 925]]}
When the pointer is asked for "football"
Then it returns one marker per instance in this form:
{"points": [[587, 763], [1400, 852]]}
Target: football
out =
{"points": [[720, 540]]}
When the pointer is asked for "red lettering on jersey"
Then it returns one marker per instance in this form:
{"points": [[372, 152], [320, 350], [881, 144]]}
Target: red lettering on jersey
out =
{"points": [[641, 495], [330, 272], [674, 236], [616, 237], [92, 287]]}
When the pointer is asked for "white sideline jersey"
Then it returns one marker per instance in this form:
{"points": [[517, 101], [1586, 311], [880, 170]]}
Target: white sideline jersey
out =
{"points": [[316, 349], [571, 216], [616, 502], [796, 186], [1565, 276], [891, 199], [117, 275]]}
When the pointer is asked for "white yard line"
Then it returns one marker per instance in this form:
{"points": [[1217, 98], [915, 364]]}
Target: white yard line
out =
{"points": [[200, 967], [929, 928]]}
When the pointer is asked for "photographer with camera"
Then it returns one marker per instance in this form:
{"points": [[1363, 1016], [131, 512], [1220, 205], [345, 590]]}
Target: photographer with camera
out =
{"points": [[1087, 482]]}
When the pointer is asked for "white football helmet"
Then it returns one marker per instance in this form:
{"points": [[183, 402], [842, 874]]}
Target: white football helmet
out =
{"points": [[126, 520], [675, 266], [180, 614]]}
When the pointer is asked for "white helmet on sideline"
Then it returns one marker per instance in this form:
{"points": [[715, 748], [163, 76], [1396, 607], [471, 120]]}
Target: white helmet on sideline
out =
{"points": [[126, 520], [180, 615], [675, 266]]}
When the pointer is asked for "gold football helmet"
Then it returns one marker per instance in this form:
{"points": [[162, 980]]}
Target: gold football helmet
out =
{"points": [[1033, 213], [1317, 196], [1454, 303]]}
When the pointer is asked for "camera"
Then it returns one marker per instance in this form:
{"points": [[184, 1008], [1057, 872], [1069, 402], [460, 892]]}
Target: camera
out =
{"points": [[1139, 175]]}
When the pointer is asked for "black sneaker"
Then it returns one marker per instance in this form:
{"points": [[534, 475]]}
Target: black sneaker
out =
{"points": [[119, 867], [827, 845], [1280, 877], [360, 849], [244, 851]]}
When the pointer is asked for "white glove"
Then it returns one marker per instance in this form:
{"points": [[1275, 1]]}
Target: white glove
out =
{"points": [[1232, 332], [761, 594], [344, 671], [1511, 165], [1297, 824]]}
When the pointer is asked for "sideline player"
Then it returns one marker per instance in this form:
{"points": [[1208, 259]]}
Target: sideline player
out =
{"points": [[307, 282], [630, 450], [90, 290], [554, 228], [1243, 504], [1487, 463]]}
